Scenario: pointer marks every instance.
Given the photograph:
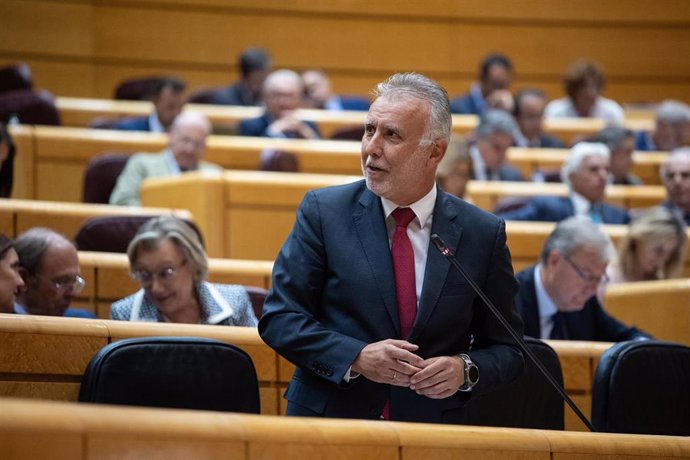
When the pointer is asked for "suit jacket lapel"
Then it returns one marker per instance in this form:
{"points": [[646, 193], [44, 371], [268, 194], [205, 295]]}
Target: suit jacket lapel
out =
{"points": [[371, 229], [446, 226]]}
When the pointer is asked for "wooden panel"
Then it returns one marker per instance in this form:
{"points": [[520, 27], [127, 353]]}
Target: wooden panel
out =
{"points": [[30, 444], [661, 308], [24, 180], [161, 447], [55, 391]]}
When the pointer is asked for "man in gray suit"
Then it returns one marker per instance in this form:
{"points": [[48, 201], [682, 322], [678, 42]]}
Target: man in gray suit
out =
{"points": [[186, 145]]}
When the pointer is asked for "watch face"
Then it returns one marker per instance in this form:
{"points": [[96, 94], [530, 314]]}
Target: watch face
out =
{"points": [[473, 374]]}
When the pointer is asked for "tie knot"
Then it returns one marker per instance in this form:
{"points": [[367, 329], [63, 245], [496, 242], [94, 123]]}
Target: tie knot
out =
{"points": [[403, 216]]}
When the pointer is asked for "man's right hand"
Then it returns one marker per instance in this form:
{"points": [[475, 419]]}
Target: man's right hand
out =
{"points": [[389, 361]]}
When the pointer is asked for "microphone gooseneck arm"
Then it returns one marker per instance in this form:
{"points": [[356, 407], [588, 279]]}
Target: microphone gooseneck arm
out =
{"points": [[443, 249]]}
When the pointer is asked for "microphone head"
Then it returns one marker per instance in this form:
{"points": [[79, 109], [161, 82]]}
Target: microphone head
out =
{"points": [[438, 242]]}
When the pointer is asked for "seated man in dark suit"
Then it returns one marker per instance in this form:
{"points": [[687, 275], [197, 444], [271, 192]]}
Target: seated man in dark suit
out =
{"points": [[318, 94], [586, 172], [254, 65], [671, 128], [492, 138], [282, 96], [675, 174], [49, 266], [557, 297], [529, 114], [495, 76], [168, 100], [621, 143]]}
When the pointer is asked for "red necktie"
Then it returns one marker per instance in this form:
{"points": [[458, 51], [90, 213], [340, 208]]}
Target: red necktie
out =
{"points": [[403, 266]]}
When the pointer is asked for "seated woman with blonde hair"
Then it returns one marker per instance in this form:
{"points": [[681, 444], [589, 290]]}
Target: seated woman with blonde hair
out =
{"points": [[653, 249], [166, 257]]}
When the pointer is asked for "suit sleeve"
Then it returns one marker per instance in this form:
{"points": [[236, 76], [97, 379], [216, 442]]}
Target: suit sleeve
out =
{"points": [[495, 352], [290, 320], [126, 191]]}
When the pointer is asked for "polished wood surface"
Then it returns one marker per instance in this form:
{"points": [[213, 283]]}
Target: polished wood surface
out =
{"points": [[661, 308], [89, 431], [85, 47]]}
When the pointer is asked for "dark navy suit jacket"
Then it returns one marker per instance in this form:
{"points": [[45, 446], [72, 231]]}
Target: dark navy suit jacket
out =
{"points": [[134, 124], [464, 104], [555, 209], [354, 103], [334, 292], [257, 127], [591, 323]]}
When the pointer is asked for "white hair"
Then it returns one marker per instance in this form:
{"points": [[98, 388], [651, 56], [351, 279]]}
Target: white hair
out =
{"points": [[578, 154]]}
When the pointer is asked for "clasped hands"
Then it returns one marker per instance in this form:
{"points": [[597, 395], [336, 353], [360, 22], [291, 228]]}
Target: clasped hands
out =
{"points": [[393, 362]]}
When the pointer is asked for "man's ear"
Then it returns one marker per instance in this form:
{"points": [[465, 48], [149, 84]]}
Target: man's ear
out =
{"points": [[553, 258], [438, 150]]}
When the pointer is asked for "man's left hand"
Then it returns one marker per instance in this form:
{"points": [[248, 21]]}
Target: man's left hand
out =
{"points": [[439, 378]]}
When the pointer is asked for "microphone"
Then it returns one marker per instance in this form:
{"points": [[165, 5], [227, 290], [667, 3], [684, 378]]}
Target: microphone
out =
{"points": [[443, 249]]}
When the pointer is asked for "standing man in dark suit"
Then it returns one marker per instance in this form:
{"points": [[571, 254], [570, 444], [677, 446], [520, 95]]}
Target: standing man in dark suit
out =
{"points": [[557, 298], [586, 172], [373, 316], [282, 95]]}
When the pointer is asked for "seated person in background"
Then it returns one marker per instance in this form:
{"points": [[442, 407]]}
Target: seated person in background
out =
{"points": [[168, 100], [49, 266], [584, 83], [10, 280], [495, 76], [671, 128], [168, 260], [675, 174], [186, 145], [7, 152], [318, 94], [586, 172], [489, 146], [254, 65], [529, 114], [621, 143], [455, 169], [653, 248], [282, 96], [557, 297]]}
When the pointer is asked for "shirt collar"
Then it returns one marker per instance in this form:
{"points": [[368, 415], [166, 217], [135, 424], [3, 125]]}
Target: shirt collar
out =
{"points": [[547, 308], [580, 204], [155, 125], [172, 163], [422, 208]]}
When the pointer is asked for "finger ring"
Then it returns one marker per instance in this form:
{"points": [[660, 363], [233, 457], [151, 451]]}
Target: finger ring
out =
{"points": [[395, 374]]}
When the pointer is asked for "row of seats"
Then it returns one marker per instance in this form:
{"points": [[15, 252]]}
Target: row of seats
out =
{"points": [[528, 402]]}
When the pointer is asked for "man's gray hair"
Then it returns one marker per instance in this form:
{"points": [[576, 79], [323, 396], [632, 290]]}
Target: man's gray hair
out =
{"points": [[180, 233], [682, 154], [614, 136], [283, 74], [32, 245], [671, 111], [578, 154], [577, 232], [496, 121], [421, 87]]}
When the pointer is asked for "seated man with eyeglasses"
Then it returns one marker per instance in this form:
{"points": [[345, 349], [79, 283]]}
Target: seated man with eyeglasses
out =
{"points": [[49, 266], [167, 259], [557, 297]]}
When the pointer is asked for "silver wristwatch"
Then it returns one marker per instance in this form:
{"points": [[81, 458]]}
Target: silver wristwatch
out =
{"points": [[471, 372]]}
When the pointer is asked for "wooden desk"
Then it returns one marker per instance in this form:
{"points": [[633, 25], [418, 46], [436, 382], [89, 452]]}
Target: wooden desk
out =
{"points": [[17, 216], [60, 430], [661, 308], [45, 357]]}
